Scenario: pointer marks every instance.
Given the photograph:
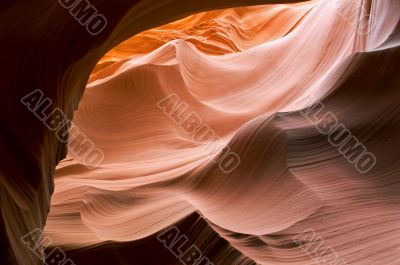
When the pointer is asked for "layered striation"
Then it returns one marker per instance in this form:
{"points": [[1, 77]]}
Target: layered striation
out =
{"points": [[268, 84], [247, 74]]}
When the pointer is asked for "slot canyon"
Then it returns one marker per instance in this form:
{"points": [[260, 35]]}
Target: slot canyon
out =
{"points": [[200, 132]]}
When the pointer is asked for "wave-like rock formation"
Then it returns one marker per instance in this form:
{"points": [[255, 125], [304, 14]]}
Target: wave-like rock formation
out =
{"points": [[247, 73], [166, 107]]}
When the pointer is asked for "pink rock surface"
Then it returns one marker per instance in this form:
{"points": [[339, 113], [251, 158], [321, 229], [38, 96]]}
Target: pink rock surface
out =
{"points": [[247, 73]]}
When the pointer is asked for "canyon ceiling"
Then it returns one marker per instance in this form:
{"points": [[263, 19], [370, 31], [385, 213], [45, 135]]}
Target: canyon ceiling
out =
{"points": [[244, 125]]}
